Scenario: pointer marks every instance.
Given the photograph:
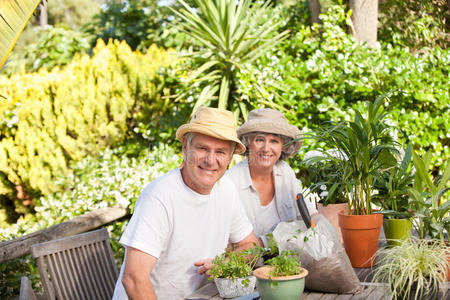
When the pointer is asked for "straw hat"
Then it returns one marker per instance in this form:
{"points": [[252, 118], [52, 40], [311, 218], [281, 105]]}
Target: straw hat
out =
{"points": [[215, 122], [271, 121]]}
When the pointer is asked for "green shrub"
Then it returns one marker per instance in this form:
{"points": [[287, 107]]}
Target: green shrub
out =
{"points": [[114, 178], [56, 46], [416, 25], [51, 118], [327, 75], [139, 23]]}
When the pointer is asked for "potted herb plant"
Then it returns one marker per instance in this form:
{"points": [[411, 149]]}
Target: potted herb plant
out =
{"points": [[365, 147], [392, 186], [413, 269], [232, 272], [282, 279]]}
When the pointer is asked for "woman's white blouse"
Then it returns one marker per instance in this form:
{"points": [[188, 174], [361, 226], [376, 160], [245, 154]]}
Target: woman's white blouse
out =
{"points": [[287, 186]]}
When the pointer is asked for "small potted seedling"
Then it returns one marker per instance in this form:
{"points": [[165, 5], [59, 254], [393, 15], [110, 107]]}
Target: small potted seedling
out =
{"points": [[283, 278], [232, 272]]}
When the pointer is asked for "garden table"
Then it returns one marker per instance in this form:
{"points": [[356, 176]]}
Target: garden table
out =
{"points": [[371, 291]]}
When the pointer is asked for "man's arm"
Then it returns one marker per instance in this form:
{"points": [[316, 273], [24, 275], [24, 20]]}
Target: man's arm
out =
{"points": [[136, 276], [248, 242]]}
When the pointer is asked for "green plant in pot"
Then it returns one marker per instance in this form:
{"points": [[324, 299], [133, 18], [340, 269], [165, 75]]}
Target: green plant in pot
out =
{"points": [[232, 272], [365, 148], [282, 279], [432, 214], [413, 269], [392, 186]]}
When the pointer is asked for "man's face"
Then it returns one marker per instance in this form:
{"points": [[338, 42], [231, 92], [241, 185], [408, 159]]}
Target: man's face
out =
{"points": [[205, 161]]}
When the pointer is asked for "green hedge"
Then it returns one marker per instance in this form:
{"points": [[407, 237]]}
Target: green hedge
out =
{"points": [[52, 118], [325, 74]]}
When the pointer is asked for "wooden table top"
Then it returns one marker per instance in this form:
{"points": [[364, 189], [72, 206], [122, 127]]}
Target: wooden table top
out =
{"points": [[371, 291]]}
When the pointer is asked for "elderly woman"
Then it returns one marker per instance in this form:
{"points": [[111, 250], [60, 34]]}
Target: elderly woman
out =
{"points": [[267, 185]]}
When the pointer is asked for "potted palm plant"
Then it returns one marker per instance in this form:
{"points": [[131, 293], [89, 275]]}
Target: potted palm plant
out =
{"points": [[232, 272], [413, 269], [392, 186], [283, 278], [365, 148]]}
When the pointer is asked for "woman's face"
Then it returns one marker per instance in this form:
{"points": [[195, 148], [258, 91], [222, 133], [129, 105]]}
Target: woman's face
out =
{"points": [[264, 150]]}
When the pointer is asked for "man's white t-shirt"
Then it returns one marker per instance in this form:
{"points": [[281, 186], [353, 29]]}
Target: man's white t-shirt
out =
{"points": [[179, 227]]}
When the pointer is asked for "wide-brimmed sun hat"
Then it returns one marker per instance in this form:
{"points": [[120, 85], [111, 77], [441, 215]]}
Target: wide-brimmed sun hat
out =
{"points": [[215, 122], [272, 121]]}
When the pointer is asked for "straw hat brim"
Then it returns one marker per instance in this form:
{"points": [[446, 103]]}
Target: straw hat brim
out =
{"points": [[210, 131]]}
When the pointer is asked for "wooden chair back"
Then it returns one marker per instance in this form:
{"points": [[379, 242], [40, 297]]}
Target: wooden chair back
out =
{"points": [[26, 291], [77, 267]]}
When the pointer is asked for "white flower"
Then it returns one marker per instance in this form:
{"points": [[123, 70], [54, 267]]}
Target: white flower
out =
{"points": [[323, 194], [323, 187]]}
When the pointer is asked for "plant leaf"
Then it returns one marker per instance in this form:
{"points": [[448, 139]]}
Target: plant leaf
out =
{"points": [[14, 15]]}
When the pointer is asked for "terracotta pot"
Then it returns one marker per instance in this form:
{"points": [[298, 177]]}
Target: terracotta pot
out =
{"points": [[331, 212], [360, 234]]}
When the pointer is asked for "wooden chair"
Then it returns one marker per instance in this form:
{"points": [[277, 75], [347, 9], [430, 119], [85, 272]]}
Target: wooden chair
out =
{"points": [[77, 267], [26, 291]]}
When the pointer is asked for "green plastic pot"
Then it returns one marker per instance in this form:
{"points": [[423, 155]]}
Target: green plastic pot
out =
{"points": [[397, 231], [279, 288]]}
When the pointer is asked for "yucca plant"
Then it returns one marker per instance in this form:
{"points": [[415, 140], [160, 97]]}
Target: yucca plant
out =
{"points": [[365, 147], [14, 15], [231, 34], [413, 269]]}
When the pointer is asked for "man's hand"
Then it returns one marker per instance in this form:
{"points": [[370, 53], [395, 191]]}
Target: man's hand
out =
{"points": [[205, 265]]}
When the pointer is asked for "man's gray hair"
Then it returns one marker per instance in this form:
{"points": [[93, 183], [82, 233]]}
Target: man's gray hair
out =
{"points": [[286, 151], [190, 136]]}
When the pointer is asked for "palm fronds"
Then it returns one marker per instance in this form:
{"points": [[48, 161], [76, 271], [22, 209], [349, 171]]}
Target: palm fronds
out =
{"points": [[14, 15], [230, 35]]}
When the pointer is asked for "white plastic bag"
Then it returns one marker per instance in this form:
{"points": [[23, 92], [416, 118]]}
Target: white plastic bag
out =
{"points": [[321, 254]]}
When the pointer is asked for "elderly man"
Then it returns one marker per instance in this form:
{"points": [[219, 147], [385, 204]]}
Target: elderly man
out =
{"points": [[187, 216]]}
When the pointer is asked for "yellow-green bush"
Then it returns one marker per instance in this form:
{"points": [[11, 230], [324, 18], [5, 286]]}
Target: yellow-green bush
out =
{"points": [[50, 118]]}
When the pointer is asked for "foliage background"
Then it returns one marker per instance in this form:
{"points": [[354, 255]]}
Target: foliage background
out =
{"points": [[318, 73]]}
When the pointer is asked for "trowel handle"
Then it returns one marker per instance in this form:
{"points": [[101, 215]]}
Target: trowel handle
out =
{"points": [[303, 210]]}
